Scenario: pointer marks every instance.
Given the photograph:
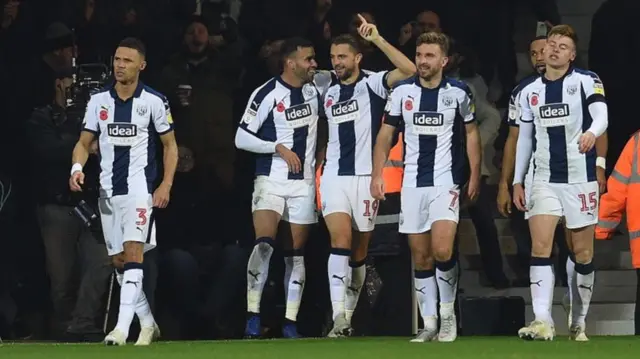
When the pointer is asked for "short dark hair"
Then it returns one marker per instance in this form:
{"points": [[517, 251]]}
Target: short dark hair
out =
{"points": [[347, 39], [291, 45], [435, 38], [134, 43], [541, 37]]}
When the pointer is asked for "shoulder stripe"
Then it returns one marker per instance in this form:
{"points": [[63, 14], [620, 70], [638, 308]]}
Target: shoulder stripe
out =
{"points": [[262, 93]]}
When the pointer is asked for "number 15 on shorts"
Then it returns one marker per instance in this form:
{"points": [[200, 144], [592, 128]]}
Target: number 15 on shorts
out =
{"points": [[588, 202]]}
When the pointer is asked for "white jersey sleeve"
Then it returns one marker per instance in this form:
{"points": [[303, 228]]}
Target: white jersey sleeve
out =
{"points": [[524, 109], [594, 92], [90, 122], [255, 114], [162, 119], [377, 81]]}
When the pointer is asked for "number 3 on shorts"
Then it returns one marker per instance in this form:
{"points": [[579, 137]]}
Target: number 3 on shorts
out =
{"points": [[142, 216]]}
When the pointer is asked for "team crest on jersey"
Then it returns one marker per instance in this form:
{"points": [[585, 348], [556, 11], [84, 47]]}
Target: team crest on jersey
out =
{"points": [[572, 89], [534, 99], [308, 90], [141, 110], [447, 101]]}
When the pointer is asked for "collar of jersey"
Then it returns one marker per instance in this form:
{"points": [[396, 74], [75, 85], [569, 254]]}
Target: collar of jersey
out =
{"points": [[283, 83], [361, 75], [569, 72], [443, 83], [116, 98]]}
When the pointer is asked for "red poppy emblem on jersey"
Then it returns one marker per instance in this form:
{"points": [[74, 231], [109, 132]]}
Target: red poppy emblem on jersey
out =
{"points": [[408, 105], [329, 103], [534, 100], [104, 115], [280, 107]]}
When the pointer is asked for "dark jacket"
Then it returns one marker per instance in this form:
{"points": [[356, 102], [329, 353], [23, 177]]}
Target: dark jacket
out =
{"points": [[52, 138]]}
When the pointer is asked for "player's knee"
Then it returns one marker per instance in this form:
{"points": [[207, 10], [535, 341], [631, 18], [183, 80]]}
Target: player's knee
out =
{"points": [[442, 252], [583, 255], [541, 249], [133, 252], [423, 261]]}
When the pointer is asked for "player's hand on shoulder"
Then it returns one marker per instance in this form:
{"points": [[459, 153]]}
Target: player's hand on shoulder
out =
{"points": [[586, 142], [76, 181], [518, 197], [377, 188], [368, 31], [290, 158]]}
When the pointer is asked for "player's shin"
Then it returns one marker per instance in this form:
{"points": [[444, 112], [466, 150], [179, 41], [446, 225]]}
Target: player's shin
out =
{"points": [[585, 276], [427, 296], [358, 274], [447, 278], [257, 272], [339, 277], [542, 281], [142, 308], [572, 287], [129, 293], [294, 280]]}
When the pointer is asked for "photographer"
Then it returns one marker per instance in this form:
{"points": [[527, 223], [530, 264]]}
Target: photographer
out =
{"points": [[77, 263]]}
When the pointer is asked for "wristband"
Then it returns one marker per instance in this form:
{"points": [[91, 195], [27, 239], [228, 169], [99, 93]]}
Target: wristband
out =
{"points": [[601, 162], [75, 168]]}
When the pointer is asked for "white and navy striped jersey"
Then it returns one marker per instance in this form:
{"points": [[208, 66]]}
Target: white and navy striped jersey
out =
{"points": [[560, 113], [513, 115], [279, 113], [354, 115], [127, 137], [434, 136]]}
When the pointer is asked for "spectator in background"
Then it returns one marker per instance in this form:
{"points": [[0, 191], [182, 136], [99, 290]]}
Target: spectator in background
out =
{"points": [[463, 65], [200, 228], [425, 21], [57, 55], [77, 262], [90, 23]]}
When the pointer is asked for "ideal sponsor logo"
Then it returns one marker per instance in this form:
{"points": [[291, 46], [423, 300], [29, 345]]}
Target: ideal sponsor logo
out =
{"points": [[122, 130], [556, 114], [428, 123], [344, 108], [345, 111], [298, 112], [428, 119], [555, 110]]}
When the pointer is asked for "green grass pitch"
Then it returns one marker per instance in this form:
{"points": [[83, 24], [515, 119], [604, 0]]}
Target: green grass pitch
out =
{"points": [[353, 348]]}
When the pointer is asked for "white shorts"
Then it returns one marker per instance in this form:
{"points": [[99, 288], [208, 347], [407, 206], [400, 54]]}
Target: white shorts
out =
{"points": [[350, 195], [577, 202], [420, 207], [294, 200], [527, 192], [127, 218]]}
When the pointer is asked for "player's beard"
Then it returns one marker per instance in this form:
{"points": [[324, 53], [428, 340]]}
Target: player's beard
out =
{"points": [[306, 75], [346, 73], [427, 73]]}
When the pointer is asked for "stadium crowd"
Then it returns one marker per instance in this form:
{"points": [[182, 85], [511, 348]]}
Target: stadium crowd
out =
{"points": [[206, 58]]}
